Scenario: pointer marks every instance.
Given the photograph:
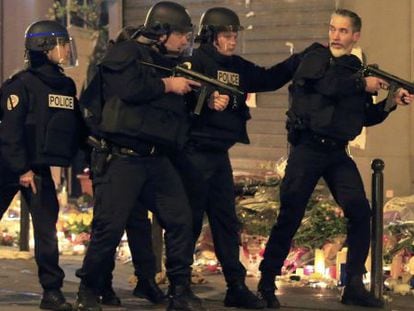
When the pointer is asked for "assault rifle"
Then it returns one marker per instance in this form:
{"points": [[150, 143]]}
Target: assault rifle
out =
{"points": [[206, 82], [394, 82]]}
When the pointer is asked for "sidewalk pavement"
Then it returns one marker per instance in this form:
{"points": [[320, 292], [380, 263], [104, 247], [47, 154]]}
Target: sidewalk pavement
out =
{"points": [[20, 290]]}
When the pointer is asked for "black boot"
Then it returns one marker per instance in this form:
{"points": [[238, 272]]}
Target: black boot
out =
{"points": [[182, 298], [109, 297], [266, 291], [54, 300], [355, 293], [87, 300], [239, 296], [148, 289]]}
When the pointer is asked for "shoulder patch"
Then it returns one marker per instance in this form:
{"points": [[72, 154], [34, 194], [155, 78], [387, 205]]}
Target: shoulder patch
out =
{"points": [[187, 65], [12, 102]]}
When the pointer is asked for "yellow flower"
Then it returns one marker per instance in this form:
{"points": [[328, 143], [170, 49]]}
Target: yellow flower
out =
{"points": [[79, 218], [87, 219], [71, 218]]}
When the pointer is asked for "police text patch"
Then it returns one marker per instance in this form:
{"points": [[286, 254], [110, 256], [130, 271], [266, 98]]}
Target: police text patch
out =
{"points": [[228, 77], [61, 101]]}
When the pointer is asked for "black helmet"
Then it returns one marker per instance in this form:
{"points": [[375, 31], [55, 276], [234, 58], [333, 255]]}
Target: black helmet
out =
{"points": [[215, 20], [165, 17], [44, 35]]}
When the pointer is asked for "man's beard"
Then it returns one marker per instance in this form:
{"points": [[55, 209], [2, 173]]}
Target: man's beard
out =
{"points": [[338, 52]]}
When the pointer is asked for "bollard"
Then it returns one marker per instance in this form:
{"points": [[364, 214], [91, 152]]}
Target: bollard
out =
{"points": [[377, 198]]}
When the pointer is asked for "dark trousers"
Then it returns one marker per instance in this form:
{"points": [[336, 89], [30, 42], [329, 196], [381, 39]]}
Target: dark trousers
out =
{"points": [[44, 209], [208, 179], [139, 233], [306, 164], [128, 181]]}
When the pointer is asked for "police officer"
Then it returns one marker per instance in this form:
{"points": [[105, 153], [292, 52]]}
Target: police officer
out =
{"points": [[205, 165], [40, 128], [139, 233], [331, 101], [144, 115]]}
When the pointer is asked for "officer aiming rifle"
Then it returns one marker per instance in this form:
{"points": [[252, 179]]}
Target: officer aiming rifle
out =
{"points": [[206, 82], [394, 82]]}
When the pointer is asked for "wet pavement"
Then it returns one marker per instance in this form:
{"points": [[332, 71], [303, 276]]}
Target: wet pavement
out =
{"points": [[20, 291]]}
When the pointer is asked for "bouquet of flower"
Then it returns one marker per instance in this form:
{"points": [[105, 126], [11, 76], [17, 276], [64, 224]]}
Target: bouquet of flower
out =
{"points": [[79, 223]]}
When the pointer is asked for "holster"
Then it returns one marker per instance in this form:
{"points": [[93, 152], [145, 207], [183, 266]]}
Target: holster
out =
{"points": [[294, 127], [99, 162], [100, 156]]}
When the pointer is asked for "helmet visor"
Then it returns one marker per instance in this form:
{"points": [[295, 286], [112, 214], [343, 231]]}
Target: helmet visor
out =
{"points": [[188, 49], [65, 53]]}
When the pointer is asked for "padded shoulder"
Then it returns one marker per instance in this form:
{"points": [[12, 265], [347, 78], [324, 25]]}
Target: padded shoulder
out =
{"points": [[314, 63], [123, 54]]}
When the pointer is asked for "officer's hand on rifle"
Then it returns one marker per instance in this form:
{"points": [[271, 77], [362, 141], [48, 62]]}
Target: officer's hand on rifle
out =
{"points": [[218, 101], [374, 84], [179, 85], [403, 97], [27, 180]]}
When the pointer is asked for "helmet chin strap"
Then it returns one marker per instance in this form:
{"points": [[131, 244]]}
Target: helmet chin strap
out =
{"points": [[161, 47]]}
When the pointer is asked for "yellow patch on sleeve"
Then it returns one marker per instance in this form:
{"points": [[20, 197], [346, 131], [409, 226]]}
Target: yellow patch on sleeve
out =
{"points": [[12, 102], [187, 65]]}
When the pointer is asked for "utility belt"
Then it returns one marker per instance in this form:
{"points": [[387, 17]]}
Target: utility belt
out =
{"points": [[103, 151], [102, 145], [322, 141], [122, 151]]}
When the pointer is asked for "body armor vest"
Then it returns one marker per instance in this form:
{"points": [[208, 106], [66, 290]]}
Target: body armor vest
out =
{"points": [[164, 121], [52, 124]]}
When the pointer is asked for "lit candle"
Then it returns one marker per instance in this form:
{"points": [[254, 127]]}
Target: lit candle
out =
{"points": [[411, 266], [319, 261]]}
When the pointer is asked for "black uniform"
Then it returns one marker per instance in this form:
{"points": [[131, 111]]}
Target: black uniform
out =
{"points": [[138, 121], [139, 234], [39, 129], [329, 108], [205, 165]]}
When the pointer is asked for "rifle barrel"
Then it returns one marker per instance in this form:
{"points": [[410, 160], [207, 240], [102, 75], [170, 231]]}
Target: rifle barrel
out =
{"points": [[370, 70], [155, 66]]}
